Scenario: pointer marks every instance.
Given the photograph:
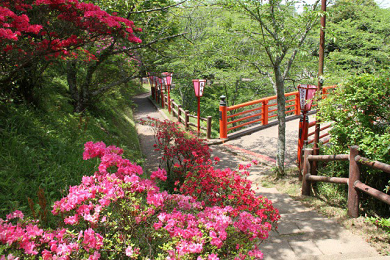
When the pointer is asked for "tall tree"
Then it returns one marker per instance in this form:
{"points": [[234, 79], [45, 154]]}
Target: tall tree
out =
{"points": [[279, 32]]}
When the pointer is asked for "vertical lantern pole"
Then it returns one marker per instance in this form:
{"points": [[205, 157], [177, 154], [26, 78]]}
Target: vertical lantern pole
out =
{"points": [[168, 81], [306, 95], [160, 80], [199, 85], [169, 98], [198, 115]]}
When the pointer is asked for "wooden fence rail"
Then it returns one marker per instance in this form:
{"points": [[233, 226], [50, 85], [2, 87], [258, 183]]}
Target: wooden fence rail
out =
{"points": [[355, 186]]}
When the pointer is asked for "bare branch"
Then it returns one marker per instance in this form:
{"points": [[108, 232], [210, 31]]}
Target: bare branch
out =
{"points": [[309, 25], [113, 84], [155, 9]]}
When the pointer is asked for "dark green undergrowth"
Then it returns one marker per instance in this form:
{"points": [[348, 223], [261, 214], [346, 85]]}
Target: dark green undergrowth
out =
{"points": [[41, 147]]}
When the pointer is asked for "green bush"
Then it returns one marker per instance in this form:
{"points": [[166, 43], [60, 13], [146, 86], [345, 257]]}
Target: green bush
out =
{"points": [[360, 110]]}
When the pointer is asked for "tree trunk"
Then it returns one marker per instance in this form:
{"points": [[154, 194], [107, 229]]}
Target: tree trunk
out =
{"points": [[71, 76], [281, 105]]}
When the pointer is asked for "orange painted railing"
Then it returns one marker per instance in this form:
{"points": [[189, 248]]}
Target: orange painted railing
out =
{"points": [[259, 111]]}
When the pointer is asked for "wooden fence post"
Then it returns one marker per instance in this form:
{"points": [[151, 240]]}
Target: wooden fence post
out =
{"points": [[222, 118], [306, 184], [208, 133], [265, 113], [354, 175], [187, 118], [179, 113], [172, 107]]}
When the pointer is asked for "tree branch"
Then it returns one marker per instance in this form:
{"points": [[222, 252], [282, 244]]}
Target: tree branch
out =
{"points": [[113, 84], [155, 9], [309, 25]]}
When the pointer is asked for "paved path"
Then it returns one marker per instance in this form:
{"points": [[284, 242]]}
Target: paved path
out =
{"points": [[302, 234]]}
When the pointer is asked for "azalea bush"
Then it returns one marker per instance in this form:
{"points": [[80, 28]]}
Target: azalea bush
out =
{"points": [[180, 150], [188, 162], [38, 34], [116, 214]]}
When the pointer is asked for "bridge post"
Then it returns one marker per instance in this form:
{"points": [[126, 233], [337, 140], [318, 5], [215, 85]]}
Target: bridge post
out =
{"points": [[265, 113], [162, 98], [222, 118], [297, 105]]}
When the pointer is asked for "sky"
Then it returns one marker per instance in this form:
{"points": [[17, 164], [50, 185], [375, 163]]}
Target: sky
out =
{"points": [[381, 3]]}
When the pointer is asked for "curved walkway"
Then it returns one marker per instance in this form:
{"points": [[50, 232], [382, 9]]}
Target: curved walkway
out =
{"points": [[302, 234]]}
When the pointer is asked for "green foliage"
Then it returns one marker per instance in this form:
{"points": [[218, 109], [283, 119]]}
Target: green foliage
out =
{"points": [[41, 147], [357, 39], [360, 111], [383, 223]]}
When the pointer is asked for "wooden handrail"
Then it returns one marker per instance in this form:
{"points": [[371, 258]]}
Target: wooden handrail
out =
{"points": [[374, 164], [353, 181]]}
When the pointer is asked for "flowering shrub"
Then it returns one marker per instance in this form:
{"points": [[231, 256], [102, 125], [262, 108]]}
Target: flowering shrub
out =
{"points": [[116, 214], [37, 31], [196, 176], [178, 149]]}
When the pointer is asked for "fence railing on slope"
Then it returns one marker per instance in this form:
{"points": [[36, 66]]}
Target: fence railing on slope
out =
{"points": [[183, 116], [355, 186], [259, 111], [307, 136]]}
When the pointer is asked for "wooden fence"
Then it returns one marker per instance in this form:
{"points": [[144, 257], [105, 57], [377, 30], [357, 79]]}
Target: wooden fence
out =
{"points": [[307, 136], [183, 116], [259, 111], [355, 186]]}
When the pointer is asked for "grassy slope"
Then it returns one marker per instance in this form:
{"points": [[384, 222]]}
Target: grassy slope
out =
{"points": [[42, 147]]}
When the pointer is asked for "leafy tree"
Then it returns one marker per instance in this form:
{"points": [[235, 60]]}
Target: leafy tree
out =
{"points": [[119, 61], [34, 33], [360, 111], [208, 49], [279, 33], [358, 38]]}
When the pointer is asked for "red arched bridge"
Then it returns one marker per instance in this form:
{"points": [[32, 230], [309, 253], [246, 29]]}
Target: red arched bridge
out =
{"points": [[246, 118]]}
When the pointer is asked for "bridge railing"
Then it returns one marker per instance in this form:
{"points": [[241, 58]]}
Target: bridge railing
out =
{"points": [[259, 111]]}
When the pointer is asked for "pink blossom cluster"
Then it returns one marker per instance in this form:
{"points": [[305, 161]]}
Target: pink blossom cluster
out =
{"points": [[159, 174], [118, 213], [58, 244]]}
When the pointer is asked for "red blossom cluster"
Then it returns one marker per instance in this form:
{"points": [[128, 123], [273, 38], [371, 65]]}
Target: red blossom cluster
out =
{"points": [[52, 28], [196, 176]]}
